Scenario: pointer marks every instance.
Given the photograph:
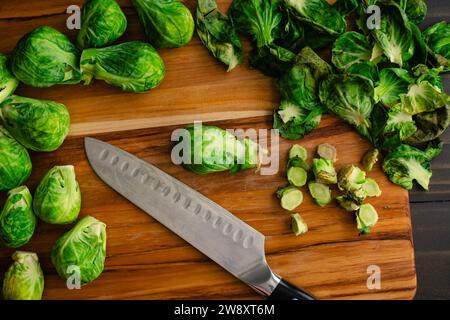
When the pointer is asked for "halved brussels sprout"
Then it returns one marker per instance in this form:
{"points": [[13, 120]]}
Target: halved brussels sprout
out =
{"points": [[15, 162], [57, 199], [45, 57], [290, 197], [102, 23], [8, 83], [298, 225], [167, 23], [39, 125], [133, 66], [84, 247], [17, 221], [24, 279]]}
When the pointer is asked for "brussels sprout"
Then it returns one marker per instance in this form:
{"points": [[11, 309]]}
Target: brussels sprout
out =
{"points": [[57, 199], [347, 203], [298, 151], [416, 10], [45, 57], [371, 188], [318, 14], [15, 162], [213, 149], [298, 225], [102, 23], [327, 151], [216, 31], [24, 279], [430, 125], [17, 221], [8, 83], [394, 35], [84, 246], [39, 125], [324, 171], [366, 218], [290, 197], [351, 48], [437, 39], [349, 97], [423, 97], [297, 176], [133, 66], [167, 23], [370, 158], [398, 128], [405, 164], [320, 192], [351, 178]]}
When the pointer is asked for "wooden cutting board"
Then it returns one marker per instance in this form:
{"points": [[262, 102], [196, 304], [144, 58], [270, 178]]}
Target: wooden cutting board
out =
{"points": [[147, 261]]}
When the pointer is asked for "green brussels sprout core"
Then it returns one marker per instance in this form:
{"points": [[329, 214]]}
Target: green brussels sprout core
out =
{"points": [[17, 221], [8, 83], [298, 225], [366, 218], [133, 66], [58, 198], [320, 192], [45, 57], [298, 151], [167, 23], [37, 124], [103, 22], [83, 248], [15, 163], [24, 279], [290, 197]]}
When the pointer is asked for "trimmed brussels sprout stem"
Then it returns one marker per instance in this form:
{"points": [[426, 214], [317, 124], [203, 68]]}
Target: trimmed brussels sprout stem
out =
{"points": [[327, 151], [297, 176], [324, 171], [371, 188], [347, 203], [290, 197], [298, 151], [8, 89], [320, 192], [370, 159], [366, 218], [298, 225]]}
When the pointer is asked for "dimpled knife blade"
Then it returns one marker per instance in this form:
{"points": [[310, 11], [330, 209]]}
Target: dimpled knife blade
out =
{"points": [[214, 231]]}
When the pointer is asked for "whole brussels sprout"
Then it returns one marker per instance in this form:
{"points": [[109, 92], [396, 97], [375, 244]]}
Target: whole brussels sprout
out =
{"points": [[8, 83], [15, 162], [57, 199], [167, 23], [24, 279], [39, 125], [45, 57], [102, 23], [84, 247], [17, 221], [133, 66]]}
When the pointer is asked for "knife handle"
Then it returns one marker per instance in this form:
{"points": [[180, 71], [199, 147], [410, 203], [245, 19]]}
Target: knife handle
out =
{"points": [[287, 291]]}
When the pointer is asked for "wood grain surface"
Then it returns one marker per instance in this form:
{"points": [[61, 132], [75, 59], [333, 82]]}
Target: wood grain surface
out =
{"points": [[145, 260]]}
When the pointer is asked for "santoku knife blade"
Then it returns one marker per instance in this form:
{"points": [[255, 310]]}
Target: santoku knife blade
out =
{"points": [[214, 231]]}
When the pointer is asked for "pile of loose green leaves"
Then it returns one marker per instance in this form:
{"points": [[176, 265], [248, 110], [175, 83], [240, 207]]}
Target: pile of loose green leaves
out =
{"points": [[384, 79]]}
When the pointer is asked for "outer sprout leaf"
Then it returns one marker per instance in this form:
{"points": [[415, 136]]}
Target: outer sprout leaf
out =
{"points": [[351, 48], [8, 83]]}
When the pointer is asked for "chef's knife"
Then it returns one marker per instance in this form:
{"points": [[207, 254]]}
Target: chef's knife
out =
{"points": [[214, 231]]}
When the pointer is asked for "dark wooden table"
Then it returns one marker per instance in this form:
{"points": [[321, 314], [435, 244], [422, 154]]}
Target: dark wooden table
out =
{"points": [[431, 210]]}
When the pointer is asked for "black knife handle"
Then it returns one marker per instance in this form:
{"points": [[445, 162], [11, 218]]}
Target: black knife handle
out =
{"points": [[287, 291]]}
